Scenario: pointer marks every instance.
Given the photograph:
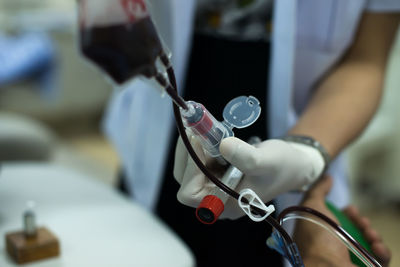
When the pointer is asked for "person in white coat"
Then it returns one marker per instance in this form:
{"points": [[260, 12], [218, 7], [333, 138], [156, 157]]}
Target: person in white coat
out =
{"points": [[325, 65]]}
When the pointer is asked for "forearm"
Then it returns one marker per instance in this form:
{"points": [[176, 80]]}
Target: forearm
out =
{"points": [[345, 101], [342, 105]]}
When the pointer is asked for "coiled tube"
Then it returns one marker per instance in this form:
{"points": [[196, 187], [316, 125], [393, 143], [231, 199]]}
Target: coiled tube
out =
{"points": [[310, 215]]}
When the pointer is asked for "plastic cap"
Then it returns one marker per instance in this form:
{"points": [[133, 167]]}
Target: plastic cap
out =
{"points": [[209, 209]]}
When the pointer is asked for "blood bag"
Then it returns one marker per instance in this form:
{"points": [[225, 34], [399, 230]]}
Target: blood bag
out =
{"points": [[119, 37]]}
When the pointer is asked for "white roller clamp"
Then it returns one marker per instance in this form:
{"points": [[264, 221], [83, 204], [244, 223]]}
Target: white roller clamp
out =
{"points": [[256, 201]]}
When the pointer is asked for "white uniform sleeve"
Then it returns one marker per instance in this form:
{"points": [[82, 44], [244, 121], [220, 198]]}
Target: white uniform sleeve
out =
{"points": [[383, 5]]}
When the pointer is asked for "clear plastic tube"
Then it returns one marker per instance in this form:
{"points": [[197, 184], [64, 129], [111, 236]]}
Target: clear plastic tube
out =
{"points": [[202, 124], [341, 235]]}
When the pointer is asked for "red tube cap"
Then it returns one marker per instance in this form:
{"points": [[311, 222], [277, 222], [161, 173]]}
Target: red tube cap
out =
{"points": [[209, 209]]}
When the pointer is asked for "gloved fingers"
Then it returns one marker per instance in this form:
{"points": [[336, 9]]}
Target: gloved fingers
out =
{"points": [[194, 189], [182, 155], [198, 149], [276, 152], [181, 158], [194, 185], [270, 158], [266, 157], [240, 154]]}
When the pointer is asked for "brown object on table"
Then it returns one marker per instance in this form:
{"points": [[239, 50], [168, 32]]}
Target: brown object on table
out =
{"points": [[24, 249]]}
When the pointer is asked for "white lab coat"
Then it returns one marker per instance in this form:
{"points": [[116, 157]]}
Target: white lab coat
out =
{"points": [[309, 36]]}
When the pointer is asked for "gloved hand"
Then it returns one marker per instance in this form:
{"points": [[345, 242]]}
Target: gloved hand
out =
{"points": [[271, 168]]}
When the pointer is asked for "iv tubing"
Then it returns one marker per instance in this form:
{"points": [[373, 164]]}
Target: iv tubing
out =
{"points": [[170, 91], [333, 228], [293, 216]]}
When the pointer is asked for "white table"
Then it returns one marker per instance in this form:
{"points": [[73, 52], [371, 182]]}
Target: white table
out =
{"points": [[96, 226]]}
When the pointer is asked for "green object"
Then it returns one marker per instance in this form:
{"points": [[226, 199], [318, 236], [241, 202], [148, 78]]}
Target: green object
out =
{"points": [[353, 230]]}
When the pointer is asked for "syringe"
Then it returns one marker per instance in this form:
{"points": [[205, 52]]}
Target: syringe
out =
{"points": [[203, 125], [213, 204], [210, 133]]}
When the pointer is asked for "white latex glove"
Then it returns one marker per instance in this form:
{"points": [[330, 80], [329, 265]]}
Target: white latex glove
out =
{"points": [[271, 168]]}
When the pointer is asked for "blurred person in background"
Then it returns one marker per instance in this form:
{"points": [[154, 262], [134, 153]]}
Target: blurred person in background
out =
{"points": [[317, 68], [27, 56]]}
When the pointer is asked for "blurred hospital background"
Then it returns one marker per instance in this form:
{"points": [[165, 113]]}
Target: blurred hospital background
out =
{"points": [[52, 101]]}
